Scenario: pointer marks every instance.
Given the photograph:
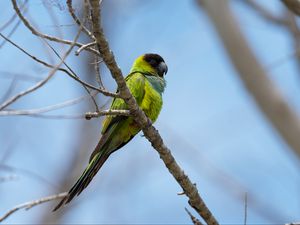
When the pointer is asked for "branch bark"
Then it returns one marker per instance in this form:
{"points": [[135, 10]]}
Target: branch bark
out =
{"points": [[141, 119], [267, 95], [29, 205]]}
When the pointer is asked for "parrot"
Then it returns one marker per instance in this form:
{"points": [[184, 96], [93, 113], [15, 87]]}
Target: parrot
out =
{"points": [[146, 83]]}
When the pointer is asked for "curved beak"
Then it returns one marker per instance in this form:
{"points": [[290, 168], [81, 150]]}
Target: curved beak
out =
{"points": [[162, 69]]}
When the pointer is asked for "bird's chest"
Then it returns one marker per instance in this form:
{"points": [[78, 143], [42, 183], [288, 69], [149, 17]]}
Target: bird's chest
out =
{"points": [[152, 102]]}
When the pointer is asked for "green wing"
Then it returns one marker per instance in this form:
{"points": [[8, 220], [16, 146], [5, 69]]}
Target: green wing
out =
{"points": [[136, 85]]}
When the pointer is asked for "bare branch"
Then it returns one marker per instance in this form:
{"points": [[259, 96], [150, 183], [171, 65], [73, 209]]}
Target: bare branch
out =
{"points": [[267, 95], [97, 61], [84, 47], [77, 20], [109, 112], [193, 218], [140, 118], [29, 205]]}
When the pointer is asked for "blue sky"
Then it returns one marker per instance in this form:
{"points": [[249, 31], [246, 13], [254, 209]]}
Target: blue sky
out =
{"points": [[210, 122]]}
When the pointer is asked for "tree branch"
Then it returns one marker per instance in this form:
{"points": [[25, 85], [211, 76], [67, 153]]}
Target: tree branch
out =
{"points": [[77, 20], [193, 218], [109, 112], [140, 118], [29, 205]]}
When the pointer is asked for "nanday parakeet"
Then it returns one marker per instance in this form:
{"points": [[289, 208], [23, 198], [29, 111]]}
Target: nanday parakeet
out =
{"points": [[146, 83]]}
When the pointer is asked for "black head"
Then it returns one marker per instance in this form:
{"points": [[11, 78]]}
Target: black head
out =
{"points": [[157, 62]]}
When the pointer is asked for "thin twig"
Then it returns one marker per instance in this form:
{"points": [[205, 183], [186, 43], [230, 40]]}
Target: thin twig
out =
{"points": [[29, 205], [193, 218], [77, 52], [141, 119], [109, 112], [97, 61], [77, 20]]}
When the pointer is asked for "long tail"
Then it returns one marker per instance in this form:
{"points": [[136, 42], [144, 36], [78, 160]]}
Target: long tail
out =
{"points": [[86, 177]]}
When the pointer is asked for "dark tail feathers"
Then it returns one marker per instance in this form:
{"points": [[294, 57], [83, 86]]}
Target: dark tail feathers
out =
{"points": [[86, 177]]}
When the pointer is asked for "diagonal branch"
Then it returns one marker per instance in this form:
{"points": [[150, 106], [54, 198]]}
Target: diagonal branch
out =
{"points": [[140, 118]]}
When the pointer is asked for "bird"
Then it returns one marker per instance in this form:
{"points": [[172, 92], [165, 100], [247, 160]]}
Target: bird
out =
{"points": [[146, 82]]}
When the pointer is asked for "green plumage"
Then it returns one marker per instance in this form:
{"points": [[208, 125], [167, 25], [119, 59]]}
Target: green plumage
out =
{"points": [[146, 83]]}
